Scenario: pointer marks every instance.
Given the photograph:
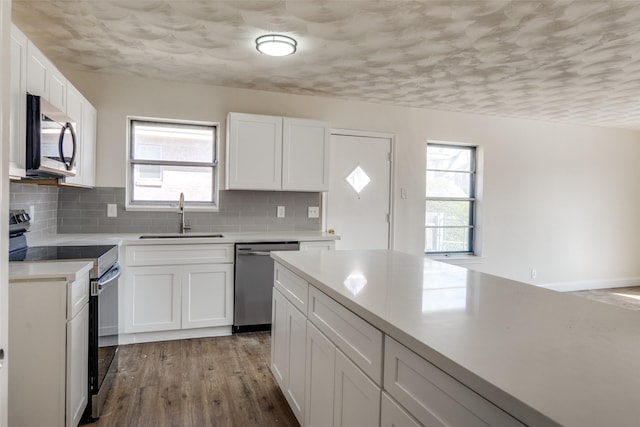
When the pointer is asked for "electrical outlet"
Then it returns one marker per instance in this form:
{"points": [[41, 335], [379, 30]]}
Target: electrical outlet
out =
{"points": [[404, 194], [534, 273], [313, 212], [112, 210], [280, 213], [32, 212]]}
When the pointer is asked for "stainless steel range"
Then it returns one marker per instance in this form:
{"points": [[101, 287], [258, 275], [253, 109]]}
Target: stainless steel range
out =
{"points": [[103, 303]]}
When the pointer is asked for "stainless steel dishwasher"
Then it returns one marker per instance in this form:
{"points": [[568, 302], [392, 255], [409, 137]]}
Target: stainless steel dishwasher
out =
{"points": [[254, 284]]}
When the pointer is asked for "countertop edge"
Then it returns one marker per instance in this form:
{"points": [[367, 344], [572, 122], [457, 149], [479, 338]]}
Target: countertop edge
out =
{"points": [[43, 270]]}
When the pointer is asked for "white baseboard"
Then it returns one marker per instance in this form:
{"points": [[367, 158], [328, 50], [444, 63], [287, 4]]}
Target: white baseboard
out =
{"points": [[591, 284]]}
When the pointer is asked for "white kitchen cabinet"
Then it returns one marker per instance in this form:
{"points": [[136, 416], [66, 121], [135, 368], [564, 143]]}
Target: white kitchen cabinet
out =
{"points": [[57, 88], [321, 362], [320, 245], [18, 100], [84, 114], [207, 298], [48, 341], [177, 288], [44, 79], [38, 67], [434, 397], [288, 331], [77, 369], [254, 152], [276, 153], [305, 155], [154, 296], [356, 397], [89, 144], [320, 382], [394, 415], [338, 393]]}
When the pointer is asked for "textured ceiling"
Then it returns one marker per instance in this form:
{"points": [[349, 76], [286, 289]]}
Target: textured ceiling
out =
{"points": [[568, 61]]}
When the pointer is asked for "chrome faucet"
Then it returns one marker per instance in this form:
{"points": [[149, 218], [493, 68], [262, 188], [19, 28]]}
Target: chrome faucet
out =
{"points": [[183, 227]]}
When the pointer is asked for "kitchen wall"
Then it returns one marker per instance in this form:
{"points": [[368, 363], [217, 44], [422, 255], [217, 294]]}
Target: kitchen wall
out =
{"points": [[562, 199], [85, 211]]}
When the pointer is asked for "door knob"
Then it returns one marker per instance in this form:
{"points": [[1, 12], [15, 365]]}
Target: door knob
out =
{"points": [[331, 231]]}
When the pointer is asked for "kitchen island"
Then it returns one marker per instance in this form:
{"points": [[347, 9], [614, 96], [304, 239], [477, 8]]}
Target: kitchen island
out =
{"points": [[540, 356]]}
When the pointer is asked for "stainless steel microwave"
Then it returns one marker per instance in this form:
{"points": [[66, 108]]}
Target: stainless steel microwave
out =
{"points": [[51, 140]]}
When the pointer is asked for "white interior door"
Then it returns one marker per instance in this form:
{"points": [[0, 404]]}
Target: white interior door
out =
{"points": [[361, 219]]}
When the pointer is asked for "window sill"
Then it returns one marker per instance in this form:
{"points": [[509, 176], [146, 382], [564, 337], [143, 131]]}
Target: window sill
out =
{"points": [[458, 259]]}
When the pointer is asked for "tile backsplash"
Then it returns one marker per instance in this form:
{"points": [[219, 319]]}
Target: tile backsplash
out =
{"points": [[85, 211], [41, 200]]}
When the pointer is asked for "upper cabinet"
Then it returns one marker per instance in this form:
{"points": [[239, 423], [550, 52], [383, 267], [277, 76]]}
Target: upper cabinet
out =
{"points": [[276, 153], [18, 101], [84, 115], [34, 73], [44, 79]]}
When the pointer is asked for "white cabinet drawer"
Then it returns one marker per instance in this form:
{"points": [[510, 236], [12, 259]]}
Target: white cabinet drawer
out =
{"points": [[178, 254], [360, 341], [292, 286], [434, 397]]}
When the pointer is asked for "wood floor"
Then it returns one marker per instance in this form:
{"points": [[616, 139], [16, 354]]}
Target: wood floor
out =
{"points": [[222, 381], [628, 298]]}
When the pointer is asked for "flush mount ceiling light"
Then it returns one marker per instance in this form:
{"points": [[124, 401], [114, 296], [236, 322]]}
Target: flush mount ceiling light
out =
{"points": [[276, 45]]}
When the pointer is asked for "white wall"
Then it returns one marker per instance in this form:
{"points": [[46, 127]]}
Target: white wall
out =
{"points": [[563, 199]]}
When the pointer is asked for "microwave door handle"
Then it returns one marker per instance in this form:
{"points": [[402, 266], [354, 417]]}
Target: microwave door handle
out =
{"points": [[63, 131]]}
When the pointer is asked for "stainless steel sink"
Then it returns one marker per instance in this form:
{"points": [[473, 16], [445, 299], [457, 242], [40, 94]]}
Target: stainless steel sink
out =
{"points": [[181, 236]]}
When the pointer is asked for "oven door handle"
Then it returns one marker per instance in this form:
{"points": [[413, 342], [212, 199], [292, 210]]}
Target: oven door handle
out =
{"points": [[112, 274]]}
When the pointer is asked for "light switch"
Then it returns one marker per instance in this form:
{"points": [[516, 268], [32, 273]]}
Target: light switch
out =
{"points": [[313, 212], [280, 213], [112, 210]]}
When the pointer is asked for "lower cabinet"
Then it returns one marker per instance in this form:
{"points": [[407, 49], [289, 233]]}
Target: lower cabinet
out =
{"points": [[338, 393], [394, 415], [177, 287], [48, 342], [288, 331], [167, 298], [321, 384]]}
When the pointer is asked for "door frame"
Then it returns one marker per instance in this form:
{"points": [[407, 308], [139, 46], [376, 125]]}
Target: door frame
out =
{"points": [[392, 175]]}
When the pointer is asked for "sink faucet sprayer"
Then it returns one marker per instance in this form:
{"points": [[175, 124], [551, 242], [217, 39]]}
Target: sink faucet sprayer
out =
{"points": [[183, 227]]}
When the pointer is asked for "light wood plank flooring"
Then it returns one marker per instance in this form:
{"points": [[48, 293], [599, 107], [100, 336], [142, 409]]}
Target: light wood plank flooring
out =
{"points": [[623, 297], [223, 381]]}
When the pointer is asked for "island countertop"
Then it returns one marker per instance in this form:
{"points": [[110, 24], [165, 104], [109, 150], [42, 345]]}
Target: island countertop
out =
{"points": [[544, 357]]}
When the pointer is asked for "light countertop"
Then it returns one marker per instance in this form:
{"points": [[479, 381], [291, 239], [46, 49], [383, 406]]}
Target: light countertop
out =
{"points": [[544, 357], [134, 238], [55, 270]]}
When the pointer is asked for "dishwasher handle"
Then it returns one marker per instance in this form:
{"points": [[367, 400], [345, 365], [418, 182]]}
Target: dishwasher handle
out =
{"points": [[245, 252]]}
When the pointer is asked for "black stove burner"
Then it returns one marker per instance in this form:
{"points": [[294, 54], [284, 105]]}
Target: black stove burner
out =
{"points": [[52, 253]]}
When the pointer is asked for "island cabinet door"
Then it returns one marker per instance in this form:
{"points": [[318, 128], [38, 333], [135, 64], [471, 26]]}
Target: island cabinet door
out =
{"points": [[287, 356], [320, 379], [356, 397], [393, 415]]}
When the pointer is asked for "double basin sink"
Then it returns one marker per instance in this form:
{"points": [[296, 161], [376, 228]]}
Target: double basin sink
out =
{"points": [[181, 235]]}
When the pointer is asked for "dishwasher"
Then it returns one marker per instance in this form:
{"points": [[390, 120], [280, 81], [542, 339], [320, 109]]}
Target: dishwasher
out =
{"points": [[254, 284]]}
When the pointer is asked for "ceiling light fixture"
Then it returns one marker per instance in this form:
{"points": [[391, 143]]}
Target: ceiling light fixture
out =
{"points": [[276, 45]]}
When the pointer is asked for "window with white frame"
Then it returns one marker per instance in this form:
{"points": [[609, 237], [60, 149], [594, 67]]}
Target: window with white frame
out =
{"points": [[167, 158], [450, 198]]}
